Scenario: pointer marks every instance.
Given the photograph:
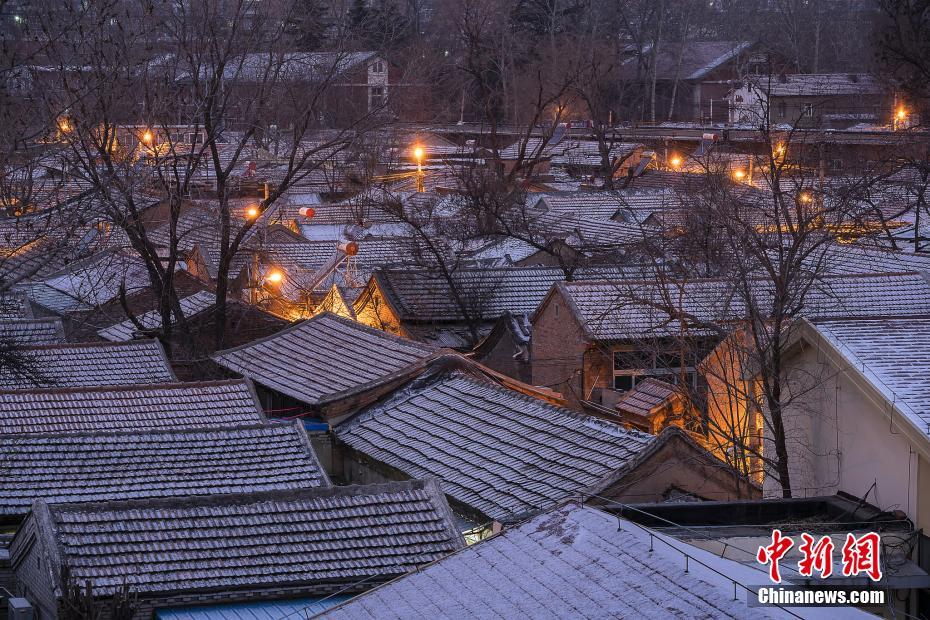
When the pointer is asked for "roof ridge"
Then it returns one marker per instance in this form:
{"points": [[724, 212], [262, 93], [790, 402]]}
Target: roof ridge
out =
{"points": [[140, 433], [137, 387], [246, 497]]}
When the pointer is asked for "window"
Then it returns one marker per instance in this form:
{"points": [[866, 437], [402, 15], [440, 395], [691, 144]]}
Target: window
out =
{"points": [[782, 109], [378, 67], [631, 367], [809, 110], [377, 97]]}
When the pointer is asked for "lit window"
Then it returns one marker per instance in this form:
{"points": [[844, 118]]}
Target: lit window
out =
{"points": [[809, 110]]}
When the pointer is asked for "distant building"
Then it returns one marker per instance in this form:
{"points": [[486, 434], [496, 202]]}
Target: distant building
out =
{"points": [[692, 79], [827, 100]]}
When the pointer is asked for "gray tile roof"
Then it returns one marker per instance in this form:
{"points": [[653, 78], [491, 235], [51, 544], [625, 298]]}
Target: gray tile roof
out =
{"points": [[134, 407], [572, 562], [893, 354], [191, 306], [14, 306], [495, 450], [92, 364], [623, 310], [648, 394], [426, 296], [252, 541], [321, 356], [134, 465], [31, 332]]}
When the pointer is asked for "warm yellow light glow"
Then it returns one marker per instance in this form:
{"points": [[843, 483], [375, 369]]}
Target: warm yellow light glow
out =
{"points": [[147, 137], [274, 276], [738, 175], [779, 149], [418, 153], [64, 125], [902, 114], [252, 212], [675, 161], [805, 197]]}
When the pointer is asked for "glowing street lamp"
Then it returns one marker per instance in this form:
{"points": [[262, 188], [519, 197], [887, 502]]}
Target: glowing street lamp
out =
{"points": [[252, 212], [675, 161], [274, 276], [147, 138], [739, 175], [418, 155], [805, 197], [900, 117]]}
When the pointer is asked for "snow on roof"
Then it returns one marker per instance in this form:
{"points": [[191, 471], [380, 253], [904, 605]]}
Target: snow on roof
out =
{"points": [[82, 467], [321, 356], [646, 395], [134, 407], [822, 85], [191, 306], [623, 310], [497, 451], [574, 562], [90, 364], [426, 296], [32, 332], [697, 59], [894, 354], [264, 544]]}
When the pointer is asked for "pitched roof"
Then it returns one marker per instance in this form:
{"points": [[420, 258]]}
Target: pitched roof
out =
{"points": [[252, 541], [31, 332], [191, 306], [133, 465], [622, 309], [91, 364], [893, 354], [646, 395], [823, 85], [321, 356], [573, 562], [498, 451], [697, 59], [426, 296], [134, 407]]}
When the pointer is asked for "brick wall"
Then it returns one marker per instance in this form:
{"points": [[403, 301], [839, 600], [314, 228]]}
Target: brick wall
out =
{"points": [[557, 350]]}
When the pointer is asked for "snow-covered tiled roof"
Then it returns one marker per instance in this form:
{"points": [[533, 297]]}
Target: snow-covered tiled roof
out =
{"points": [[646, 395], [894, 354], [88, 365], [625, 310], [191, 306], [314, 541], [134, 465], [572, 562], [321, 356], [495, 450], [822, 85], [31, 332], [426, 296], [135, 407], [853, 259]]}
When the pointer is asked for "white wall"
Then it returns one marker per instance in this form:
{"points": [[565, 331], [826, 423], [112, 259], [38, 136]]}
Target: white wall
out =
{"points": [[841, 439]]}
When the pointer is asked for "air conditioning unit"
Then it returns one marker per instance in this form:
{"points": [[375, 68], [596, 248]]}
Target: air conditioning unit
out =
{"points": [[19, 609]]}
